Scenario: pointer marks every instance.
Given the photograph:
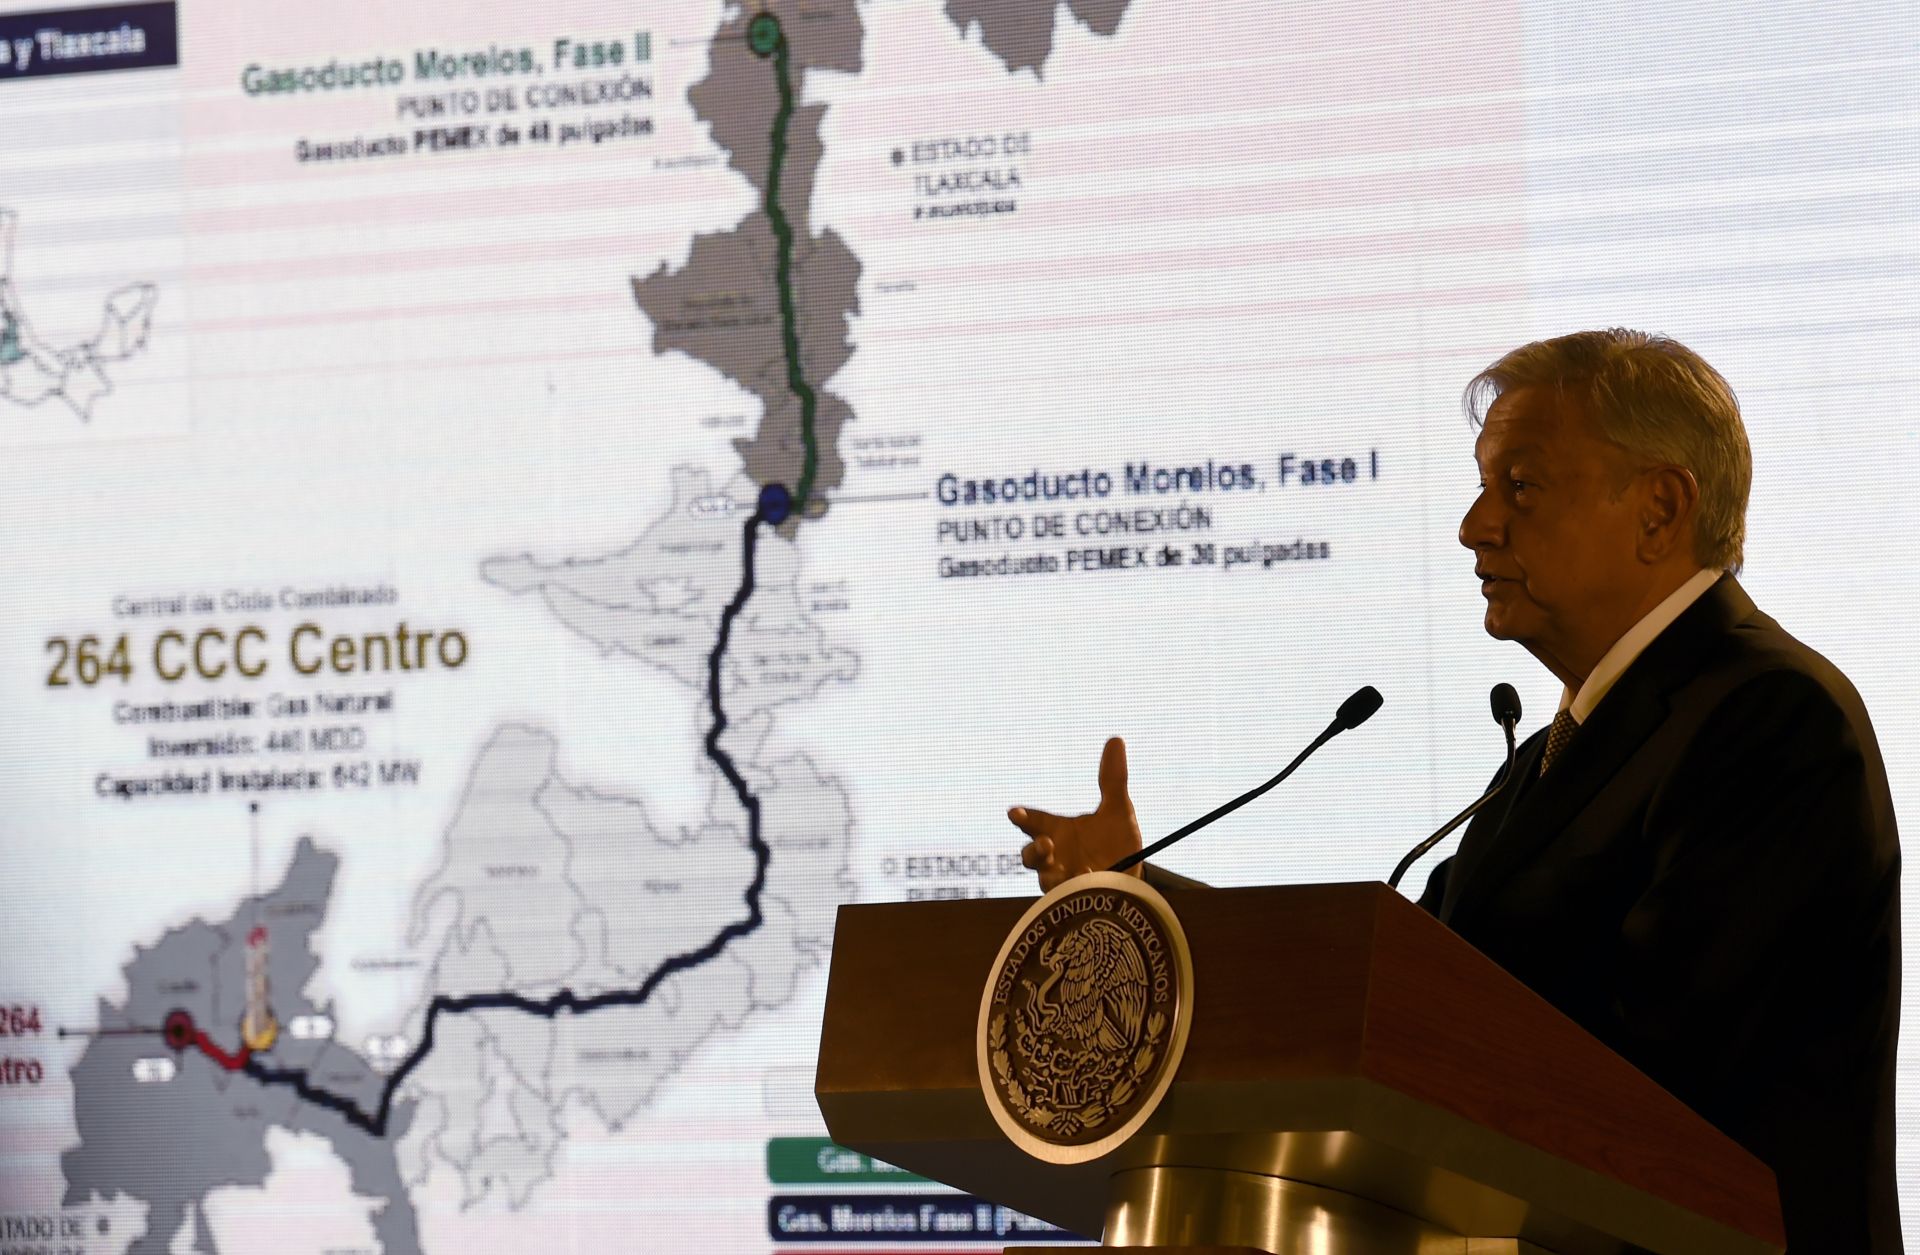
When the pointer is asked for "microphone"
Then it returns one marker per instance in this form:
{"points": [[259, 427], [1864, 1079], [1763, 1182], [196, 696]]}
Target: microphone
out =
{"points": [[1506, 712], [1506, 706], [1353, 712]]}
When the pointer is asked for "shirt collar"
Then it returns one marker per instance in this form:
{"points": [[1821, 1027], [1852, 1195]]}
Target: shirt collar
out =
{"points": [[1615, 661]]}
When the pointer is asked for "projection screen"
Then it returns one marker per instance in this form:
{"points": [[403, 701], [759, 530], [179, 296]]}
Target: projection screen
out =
{"points": [[514, 513]]}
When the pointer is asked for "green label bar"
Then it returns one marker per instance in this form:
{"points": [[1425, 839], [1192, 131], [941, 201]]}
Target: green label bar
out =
{"points": [[814, 1160]]}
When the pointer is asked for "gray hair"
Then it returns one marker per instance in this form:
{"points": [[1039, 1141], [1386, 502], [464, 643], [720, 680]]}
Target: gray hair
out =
{"points": [[1657, 399]]}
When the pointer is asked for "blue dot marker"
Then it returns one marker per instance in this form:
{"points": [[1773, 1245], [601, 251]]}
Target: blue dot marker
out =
{"points": [[776, 503]]}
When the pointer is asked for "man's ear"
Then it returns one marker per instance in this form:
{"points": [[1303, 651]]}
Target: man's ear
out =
{"points": [[1669, 497]]}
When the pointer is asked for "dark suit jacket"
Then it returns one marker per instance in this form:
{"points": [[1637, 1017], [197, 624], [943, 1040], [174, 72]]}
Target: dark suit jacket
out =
{"points": [[1708, 880]]}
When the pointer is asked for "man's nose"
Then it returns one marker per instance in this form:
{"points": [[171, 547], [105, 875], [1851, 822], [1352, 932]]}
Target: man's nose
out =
{"points": [[1481, 527]]}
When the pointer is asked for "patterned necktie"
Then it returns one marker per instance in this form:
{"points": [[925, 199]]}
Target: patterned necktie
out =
{"points": [[1558, 735]]}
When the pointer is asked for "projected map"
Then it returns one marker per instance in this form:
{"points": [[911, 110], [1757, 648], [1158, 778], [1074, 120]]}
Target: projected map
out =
{"points": [[516, 516], [572, 910]]}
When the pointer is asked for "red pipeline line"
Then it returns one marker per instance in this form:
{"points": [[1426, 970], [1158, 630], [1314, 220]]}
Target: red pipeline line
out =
{"points": [[211, 1049]]}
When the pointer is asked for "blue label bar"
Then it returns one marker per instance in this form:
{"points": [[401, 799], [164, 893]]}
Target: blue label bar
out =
{"points": [[901, 1218], [93, 40]]}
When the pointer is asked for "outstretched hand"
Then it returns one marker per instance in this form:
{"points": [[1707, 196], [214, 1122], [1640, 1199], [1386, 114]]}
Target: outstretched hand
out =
{"points": [[1062, 847]]}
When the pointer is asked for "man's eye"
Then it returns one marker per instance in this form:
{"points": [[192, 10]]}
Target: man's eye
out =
{"points": [[1519, 485]]}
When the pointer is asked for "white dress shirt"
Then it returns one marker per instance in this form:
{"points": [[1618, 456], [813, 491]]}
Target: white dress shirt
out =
{"points": [[1615, 661]]}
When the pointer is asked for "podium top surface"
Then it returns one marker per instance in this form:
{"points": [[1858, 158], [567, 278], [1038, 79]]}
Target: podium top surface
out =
{"points": [[1342, 1009]]}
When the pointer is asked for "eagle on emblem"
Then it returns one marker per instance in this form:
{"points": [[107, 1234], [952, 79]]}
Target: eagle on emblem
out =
{"points": [[1095, 993]]}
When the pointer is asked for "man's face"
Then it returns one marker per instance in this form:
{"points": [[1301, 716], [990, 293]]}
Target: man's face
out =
{"points": [[1553, 531]]}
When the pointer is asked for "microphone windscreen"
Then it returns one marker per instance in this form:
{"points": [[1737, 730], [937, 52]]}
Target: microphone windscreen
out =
{"points": [[1506, 704], [1359, 708]]}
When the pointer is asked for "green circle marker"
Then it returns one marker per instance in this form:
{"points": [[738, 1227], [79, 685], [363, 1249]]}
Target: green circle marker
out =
{"points": [[763, 34]]}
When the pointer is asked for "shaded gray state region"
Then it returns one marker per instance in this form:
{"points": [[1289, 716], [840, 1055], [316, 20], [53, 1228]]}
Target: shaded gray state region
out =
{"points": [[660, 599], [372, 1165], [33, 371], [722, 309], [494, 1117], [1020, 32], [536, 867], [169, 1144], [723, 306], [547, 879], [165, 1144], [616, 1061], [647, 890], [505, 871], [740, 96]]}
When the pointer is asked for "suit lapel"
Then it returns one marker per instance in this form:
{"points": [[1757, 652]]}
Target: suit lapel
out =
{"points": [[1496, 845], [1483, 828]]}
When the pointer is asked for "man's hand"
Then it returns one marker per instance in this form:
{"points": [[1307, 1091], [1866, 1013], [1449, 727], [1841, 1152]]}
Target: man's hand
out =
{"points": [[1063, 847]]}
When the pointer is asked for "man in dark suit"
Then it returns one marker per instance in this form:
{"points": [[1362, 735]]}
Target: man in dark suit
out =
{"points": [[1697, 861]]}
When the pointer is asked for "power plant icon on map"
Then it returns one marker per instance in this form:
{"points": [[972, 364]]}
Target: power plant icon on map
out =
{"points": [[257, 1026]]}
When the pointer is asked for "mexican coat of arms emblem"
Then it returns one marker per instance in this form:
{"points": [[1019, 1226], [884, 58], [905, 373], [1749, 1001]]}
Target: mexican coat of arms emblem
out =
{"points": [[1084, 1017]]}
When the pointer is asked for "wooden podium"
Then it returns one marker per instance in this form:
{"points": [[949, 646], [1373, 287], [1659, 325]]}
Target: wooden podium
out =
{"points": [[1358, 1079]]}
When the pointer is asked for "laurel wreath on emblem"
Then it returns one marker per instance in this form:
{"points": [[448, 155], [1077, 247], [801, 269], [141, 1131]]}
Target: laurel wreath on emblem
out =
{"points": [[1068, 1123]]}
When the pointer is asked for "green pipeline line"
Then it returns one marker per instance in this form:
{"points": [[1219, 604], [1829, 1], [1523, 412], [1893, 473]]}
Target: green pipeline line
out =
{"points": [[789, 331]]}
